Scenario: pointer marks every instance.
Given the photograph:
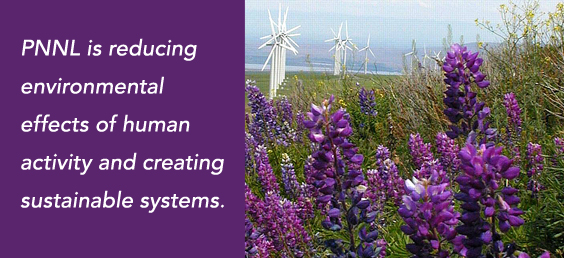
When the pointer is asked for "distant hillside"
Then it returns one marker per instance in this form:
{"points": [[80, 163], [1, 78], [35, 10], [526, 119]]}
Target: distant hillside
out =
{"points": [[318, 57]]}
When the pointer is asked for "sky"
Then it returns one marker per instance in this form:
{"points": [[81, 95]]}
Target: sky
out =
{"points": [[392, 24]]}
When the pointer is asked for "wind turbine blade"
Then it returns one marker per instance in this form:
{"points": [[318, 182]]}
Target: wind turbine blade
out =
{"points": [[368, 42], [279, 16], [293, 35], [339, 35], [271, 24], [266, 43], [329, 40], [347, 28], [265, 37], [334, 34], [292, 41], [285, 16], [268, 58], [371, 52], [332, 48], [289, 47], [293, 29]]}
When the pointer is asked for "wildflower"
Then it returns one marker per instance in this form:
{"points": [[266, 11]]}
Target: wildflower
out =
{"points": [[535, 166], [264, 171], [462, 69], [279, 223], [428, 211], [291, 185], [420, 151], [250, 144], [484, 202], [559, 142], [514, 122], [367, 102], [448, 152], [385, 182], [262, 114], [337, 176]]}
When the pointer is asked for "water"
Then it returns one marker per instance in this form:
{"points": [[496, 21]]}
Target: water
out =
{"points": [[315, 67]]}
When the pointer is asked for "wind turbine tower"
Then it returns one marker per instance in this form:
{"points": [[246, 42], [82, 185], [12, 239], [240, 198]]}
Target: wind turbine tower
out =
{"points": [[367, 49], [337, 47]]}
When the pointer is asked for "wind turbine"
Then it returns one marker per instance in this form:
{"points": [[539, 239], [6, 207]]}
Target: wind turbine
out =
{"points": [[367, 49], [337, 47], [438, 59], [425, 56], [340, 47], [344, 46], [280, 40], [412, 54]]}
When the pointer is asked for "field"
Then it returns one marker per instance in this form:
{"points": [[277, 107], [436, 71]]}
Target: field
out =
{"points": [[462, 161], [313, 78]]}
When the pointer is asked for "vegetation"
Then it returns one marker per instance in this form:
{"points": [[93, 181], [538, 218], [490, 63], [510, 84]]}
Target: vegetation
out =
{"points": [[285, 154]]}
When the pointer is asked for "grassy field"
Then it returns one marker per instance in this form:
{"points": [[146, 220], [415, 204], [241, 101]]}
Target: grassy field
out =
{"points": [[530, 66], [314, 78]]}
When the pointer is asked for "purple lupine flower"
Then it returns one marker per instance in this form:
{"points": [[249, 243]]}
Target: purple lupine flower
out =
{"points": [[264, 247], [284, 132], [340, 181], [375, 191], [513, 117], [384, 182], [535, 166], [285, 110], [300, 128], [251, 235], [428, 211], [534, 159], [254, 206], [382, 244], [483, 169], [304, 204], [262, 114], [264, 171], [559, 142], [280, 223], [250, 144], [510, 251], [367, 102], [432, 170], [420, 151], [448, 152], [291, 184], [462, 69]]}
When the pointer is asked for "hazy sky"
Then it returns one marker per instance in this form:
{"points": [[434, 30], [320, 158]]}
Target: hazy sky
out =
{"points": [[390, 22]]}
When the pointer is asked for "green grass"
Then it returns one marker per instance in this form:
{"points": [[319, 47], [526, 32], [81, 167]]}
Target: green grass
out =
{"points": [[312, 78], [531, 66]]}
